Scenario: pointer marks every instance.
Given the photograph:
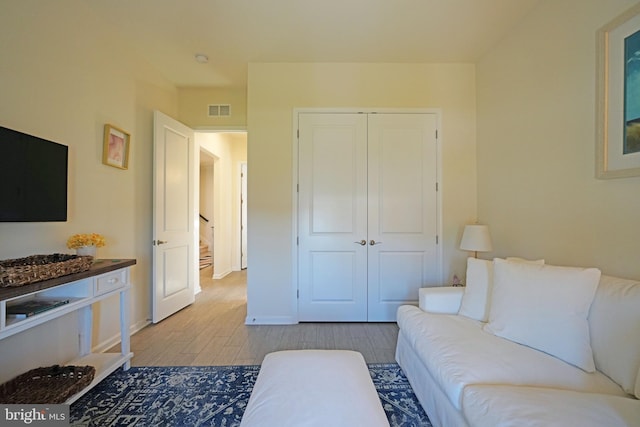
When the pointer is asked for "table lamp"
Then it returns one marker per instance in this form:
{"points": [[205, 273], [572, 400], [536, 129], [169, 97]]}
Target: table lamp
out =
{"points": [[476, 238]]}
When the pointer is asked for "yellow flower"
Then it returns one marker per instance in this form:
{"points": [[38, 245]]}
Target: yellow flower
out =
{"points": [[79, 240]]}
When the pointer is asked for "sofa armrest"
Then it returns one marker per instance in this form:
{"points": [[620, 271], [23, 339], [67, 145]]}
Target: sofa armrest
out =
{"points": [[443, 300]]}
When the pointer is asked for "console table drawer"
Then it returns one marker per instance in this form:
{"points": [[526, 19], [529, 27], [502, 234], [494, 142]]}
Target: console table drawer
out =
{"points": [[110, 281]]}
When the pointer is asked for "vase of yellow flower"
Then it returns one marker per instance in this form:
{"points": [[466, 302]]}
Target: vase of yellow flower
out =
{"points": [[86, 244], [89, 250]]}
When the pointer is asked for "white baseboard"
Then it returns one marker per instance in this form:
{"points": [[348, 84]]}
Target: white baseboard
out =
{"points": [[115, 340], [221, 275], [271, 320]]}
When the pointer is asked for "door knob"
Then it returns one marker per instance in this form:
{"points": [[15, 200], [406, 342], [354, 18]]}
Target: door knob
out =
{"points": [[373, 243], [159, 242], [361, 242]]}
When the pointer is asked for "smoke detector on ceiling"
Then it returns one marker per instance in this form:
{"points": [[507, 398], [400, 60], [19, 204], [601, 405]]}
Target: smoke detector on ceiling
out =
{"points": [[201, 58]]}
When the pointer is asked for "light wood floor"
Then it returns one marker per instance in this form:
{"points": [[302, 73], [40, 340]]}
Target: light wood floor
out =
{"points": [[212, 332]]}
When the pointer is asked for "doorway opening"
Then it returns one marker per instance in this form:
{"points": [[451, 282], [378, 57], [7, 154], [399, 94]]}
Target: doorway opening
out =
{"points": [[206, 208], [222, 195]]}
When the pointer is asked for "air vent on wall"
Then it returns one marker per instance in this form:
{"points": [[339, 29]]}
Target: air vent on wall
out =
{"points": [[219, 110]]}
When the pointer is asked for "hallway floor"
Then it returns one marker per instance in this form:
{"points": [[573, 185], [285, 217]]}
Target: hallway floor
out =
{"points": [[212, 332]]}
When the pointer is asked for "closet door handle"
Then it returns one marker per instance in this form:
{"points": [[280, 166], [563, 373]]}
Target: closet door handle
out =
{"points": [[373, 243], [361, 242]]}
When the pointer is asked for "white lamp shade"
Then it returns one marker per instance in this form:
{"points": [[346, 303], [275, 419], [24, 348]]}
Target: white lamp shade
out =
{"points": [[476, 238]]}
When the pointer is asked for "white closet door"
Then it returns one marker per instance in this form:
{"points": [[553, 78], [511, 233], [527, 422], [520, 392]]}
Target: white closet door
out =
{"points": [[332, 217], [367, 214], [402, 220]]}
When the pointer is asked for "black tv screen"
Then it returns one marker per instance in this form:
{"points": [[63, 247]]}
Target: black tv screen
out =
{"points": [[33, 178]]}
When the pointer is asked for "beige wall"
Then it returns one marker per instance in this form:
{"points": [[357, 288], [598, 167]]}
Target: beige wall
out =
{"points": [[63, 76], [193, 107], [274, 90], [536, 145]]}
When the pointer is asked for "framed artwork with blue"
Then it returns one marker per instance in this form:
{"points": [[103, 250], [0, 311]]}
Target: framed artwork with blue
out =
{"points": [[632, 93], [618, 97]]}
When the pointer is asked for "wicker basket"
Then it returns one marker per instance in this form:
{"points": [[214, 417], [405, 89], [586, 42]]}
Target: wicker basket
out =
{"points": [[35, 268], [53, 384]]}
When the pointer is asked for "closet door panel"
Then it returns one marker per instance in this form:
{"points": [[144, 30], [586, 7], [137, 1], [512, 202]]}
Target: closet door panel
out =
{"points": [[398, 171], [332, 217], [402, 221], [404, 269]]}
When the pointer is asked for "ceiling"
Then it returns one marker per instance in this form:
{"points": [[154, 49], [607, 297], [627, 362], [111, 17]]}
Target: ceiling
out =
{"points": [[232, 33]]}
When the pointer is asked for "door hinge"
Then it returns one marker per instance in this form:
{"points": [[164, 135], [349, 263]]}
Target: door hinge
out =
{"points": [[436, 133], [297, 240], [437, 239], [298, 294], [297, 188], [436, 186], [298, 133]]}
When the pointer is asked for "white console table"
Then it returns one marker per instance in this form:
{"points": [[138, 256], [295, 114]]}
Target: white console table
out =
{"points": [[105, 278]]}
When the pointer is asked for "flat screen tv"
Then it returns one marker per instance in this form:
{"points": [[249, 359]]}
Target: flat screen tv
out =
{"points": [[33, 178]]}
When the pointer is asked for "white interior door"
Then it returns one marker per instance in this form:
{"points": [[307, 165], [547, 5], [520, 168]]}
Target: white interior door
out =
{"points": [[402, 214], [332, 217], [175, 219]]}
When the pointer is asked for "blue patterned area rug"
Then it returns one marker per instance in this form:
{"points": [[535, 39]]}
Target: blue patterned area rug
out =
{"points": [[212, 396]]}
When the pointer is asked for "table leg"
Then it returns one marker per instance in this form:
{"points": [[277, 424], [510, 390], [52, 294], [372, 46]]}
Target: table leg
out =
{"points": [[85, 317], [125, 343]]}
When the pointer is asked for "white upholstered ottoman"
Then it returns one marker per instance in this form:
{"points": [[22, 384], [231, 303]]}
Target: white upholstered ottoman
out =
{"points": [[314, 388]]}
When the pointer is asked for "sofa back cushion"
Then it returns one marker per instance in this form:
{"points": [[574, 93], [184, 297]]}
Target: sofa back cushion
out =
{"points": [[476, 299], [544, 307], [614, 323], [477, 292]]}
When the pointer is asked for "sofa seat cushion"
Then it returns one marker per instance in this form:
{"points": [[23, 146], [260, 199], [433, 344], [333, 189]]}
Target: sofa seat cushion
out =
{"points": [[457, 353], [510, 406]]}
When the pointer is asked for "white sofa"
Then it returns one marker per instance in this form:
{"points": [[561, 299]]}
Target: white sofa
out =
{"points": [[525, 344]]}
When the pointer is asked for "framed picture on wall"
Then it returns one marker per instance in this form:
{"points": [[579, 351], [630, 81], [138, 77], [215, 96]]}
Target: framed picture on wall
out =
{"points": [[618, 92], [115, 151]]}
